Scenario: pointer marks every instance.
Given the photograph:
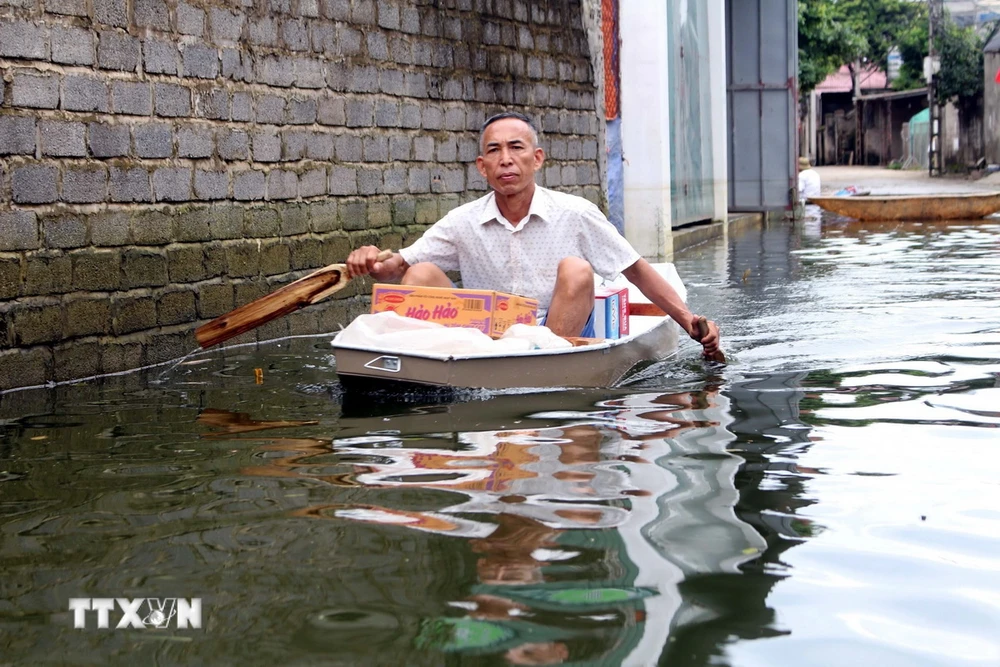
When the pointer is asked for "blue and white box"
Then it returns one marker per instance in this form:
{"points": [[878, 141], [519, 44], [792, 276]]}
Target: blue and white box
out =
{"points": [[607, 314]]}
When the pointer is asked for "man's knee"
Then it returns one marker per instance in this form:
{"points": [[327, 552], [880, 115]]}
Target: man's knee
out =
{"points": [[426, 274], [576, 274]]}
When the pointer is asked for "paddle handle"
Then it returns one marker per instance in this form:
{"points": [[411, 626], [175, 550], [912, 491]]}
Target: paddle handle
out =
{"points": [[716, 356], [305, 291]]}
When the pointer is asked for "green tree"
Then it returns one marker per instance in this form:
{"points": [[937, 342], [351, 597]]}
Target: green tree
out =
{"points": [[960, 78], [880, 23], [961, 75], [855, 33], [912, 49], [826, 42]]}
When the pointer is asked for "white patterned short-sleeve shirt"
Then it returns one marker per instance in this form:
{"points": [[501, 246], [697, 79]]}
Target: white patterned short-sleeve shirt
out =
{"points": [[490, 252]]}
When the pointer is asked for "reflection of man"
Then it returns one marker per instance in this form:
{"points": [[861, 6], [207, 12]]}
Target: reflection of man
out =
{"points": [[809, 183], [538, 653], [558, 556]]}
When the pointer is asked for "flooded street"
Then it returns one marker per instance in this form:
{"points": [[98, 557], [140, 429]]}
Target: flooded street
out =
{"points": [[828, 498]]}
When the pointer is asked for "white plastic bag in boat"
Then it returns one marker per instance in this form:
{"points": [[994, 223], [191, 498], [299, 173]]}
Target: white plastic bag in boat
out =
{"points": [[392, 332], [538, 337]]}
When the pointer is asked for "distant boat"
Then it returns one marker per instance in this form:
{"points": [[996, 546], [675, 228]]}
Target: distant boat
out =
{"points": [[970, 206]]}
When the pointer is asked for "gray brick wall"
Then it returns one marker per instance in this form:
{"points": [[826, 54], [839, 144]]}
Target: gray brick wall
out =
{"points": [[164, 161]]}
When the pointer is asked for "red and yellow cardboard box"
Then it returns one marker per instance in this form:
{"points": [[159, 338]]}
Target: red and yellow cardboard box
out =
{"points": [[489, 311]]}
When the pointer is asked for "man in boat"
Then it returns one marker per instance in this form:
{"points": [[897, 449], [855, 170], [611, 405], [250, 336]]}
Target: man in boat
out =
{"points": [[524, 239]]}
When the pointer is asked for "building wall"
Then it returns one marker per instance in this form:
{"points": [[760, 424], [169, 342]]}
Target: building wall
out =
{"points": [[720, 112], [883, 120], [164, 161], [645, 125], [991, 108], [951, 132], [648, 84], [971, 142]]}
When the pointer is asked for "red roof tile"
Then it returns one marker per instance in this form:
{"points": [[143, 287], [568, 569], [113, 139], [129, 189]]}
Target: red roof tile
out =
{"points": [[840, 81]]}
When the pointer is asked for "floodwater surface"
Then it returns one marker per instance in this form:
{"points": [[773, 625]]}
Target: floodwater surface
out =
{"points": [[830, 497]]}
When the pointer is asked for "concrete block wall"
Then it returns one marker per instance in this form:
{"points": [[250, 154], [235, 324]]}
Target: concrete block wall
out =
{"points": [[164, 161]]}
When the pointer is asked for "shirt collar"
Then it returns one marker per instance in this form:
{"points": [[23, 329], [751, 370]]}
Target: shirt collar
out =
{"points": [[539, 208]]}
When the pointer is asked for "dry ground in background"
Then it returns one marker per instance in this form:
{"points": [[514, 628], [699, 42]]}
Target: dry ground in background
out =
{"points": [[898, 182]]}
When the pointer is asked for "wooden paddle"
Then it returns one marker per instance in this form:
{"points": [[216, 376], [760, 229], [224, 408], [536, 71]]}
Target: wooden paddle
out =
{"points": [[305, 291]]}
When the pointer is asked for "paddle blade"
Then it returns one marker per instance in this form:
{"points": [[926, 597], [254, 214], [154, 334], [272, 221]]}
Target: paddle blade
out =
{"points": [[305, 291], [283, 301]]}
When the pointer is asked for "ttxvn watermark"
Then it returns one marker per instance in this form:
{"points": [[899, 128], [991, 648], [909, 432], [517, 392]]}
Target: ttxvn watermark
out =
{"points": [[140, 613]]}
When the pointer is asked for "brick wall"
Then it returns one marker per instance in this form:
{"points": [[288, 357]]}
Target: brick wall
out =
{"points": [[164, 161]]}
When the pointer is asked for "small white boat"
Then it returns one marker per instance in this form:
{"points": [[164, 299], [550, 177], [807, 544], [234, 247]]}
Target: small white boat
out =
{"points": [[603, 363]]}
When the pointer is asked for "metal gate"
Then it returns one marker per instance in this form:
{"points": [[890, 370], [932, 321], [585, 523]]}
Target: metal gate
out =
{"points": [[762, 66]]}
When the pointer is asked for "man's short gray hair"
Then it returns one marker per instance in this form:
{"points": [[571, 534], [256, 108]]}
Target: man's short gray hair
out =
{"points": [[504, 115]]}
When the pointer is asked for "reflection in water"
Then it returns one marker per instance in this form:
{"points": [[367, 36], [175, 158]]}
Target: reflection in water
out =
{"points": [[581, 532], [827, 498], [889, 335], [226, 424]]}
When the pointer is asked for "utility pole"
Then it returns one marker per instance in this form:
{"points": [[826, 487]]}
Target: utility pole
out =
{"points": [[935, 11]]}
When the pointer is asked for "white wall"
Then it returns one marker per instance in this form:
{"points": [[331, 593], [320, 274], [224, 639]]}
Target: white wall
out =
{"points": [[720, 111], [645, 113], [991, 108]]}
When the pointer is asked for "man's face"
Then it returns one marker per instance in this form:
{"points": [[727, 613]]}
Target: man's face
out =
{"points": [[509, 159]]}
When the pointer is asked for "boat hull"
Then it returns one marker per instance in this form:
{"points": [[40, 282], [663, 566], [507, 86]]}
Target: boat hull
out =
{"points": [[912, 207], [604, 364]]}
